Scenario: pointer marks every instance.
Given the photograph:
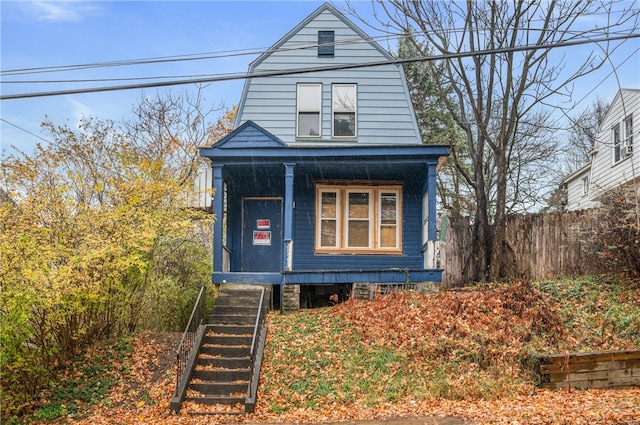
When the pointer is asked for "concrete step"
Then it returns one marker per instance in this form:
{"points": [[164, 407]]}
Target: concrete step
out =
{"points": [[225, 362], [230, 300], [223, 375], [219, 388], [232, 319], [212, 400], [236, 310], [231, 329], [225, 339], [226, 351]]}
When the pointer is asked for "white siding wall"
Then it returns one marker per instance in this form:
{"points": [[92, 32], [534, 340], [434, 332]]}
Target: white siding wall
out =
{"points": [[576, 198], [605, 174], [384, 111]]}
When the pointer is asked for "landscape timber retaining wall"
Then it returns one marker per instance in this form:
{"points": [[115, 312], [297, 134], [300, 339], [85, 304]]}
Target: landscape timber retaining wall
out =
{"points": [[603, 369]]}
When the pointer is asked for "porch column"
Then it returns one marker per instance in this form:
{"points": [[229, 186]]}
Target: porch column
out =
{"points": [[287, 240], [429, 191], [431, 188], [218, 201]]}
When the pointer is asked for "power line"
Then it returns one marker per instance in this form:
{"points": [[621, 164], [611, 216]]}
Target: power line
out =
{"points": [[214, 55], [25, 130], [312, 69]]}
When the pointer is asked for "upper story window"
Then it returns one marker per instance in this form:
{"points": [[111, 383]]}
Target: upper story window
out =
{"points": [[628, 133], [623, 146], [617, 145], [326, 44], [343, 109], [358, 219], [309, 110]]}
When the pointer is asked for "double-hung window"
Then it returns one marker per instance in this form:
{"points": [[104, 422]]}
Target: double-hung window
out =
{"points": [[617, 143], [623, 147], [628, 134], [343, 110], [357, 219], [309, 110]]}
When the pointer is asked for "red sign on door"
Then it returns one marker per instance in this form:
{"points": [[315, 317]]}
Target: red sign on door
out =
{"points": [[261, 237], [263, 223]]}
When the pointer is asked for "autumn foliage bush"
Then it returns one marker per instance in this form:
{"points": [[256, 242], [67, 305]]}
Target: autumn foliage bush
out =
{"points": [[619, 231], [97, 242]]}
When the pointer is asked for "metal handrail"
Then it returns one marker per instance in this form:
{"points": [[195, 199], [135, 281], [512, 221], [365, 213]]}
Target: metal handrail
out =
{"points": [[253, 341], [255, 328], [188, 337]]}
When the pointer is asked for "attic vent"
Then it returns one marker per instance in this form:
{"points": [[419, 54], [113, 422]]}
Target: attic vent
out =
{"points": [[326, 44]]}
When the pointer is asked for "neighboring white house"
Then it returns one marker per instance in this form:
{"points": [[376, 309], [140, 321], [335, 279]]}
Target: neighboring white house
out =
{"points": [[615, 161]]}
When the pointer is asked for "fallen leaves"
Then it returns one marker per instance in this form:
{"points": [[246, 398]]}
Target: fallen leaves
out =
{"points": [[388, 358]]}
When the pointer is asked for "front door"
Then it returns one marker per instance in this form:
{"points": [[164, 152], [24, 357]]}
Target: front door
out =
{"points": [[261, 235]]}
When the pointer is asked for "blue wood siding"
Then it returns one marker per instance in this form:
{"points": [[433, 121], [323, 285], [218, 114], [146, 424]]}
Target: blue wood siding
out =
{"points": [[304, 257]]}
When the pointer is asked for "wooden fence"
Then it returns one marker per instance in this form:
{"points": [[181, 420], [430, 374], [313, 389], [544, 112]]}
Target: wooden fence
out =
{"points": [[537, 246]]}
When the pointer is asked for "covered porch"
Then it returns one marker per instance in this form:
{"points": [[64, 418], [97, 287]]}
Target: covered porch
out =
{"points": [[266, 206]]}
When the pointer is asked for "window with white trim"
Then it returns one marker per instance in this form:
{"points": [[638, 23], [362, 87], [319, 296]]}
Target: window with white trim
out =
{"points": [[309, 110], [343, 110], [617, 143], [354, 219], [628, 135]]}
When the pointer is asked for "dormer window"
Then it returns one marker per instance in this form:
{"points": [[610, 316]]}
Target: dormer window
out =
{"points": [[309, 105], [326, 44]]}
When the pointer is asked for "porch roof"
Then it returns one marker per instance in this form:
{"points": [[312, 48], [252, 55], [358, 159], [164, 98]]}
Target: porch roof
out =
{"points": [[251, 145]]}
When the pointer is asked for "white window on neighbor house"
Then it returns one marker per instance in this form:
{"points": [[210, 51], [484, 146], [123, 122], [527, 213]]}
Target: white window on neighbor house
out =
{"points": [[628, 134], [585, 186], [309, 106], [617, 143], [326, 44], [358, 219], [343, 110]]}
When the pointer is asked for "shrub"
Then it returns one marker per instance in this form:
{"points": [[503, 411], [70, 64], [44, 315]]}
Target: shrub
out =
{"points": [[619, 231]]}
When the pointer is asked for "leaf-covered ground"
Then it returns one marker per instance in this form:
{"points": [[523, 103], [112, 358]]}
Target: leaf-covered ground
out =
{"points": [[457, 353]]}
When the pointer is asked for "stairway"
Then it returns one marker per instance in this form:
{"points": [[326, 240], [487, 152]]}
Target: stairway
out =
{"points": [[226, 369]]}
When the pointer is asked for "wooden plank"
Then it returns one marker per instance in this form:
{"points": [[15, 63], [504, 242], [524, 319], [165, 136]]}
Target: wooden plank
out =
{"points": [[590, 366], [598, 356], [599, 375], [597, 383]]}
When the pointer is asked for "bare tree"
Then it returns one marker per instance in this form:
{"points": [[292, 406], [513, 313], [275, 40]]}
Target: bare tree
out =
{"points": [[582, 134], [498, 86], [171, 128]]}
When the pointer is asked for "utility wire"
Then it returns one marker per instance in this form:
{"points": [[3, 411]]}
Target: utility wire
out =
{"points": [[25, 130], [206, 56], [447, 56]]}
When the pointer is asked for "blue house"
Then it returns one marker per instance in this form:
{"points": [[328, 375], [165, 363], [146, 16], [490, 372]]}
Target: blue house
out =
{"points": [[325, 180]]}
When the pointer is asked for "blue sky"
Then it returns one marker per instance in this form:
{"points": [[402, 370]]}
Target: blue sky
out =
{"points": [[52, 33]]}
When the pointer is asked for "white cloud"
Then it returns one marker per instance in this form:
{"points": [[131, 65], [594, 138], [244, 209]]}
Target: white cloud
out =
{"points": [[60, 11], [80, 111]]}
